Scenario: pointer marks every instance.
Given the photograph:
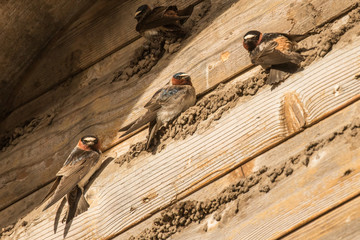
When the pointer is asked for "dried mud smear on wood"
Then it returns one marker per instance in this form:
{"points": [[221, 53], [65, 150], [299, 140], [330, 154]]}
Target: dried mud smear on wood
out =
{"points": [[323, 38], [224, 97], [12, 138], [181, 214]]}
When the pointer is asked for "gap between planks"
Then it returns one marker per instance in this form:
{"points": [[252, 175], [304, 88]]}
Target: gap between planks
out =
{"points": [[324, 212]]}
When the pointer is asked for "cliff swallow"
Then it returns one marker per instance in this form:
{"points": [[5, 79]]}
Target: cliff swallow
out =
{"points": [[73, 176], [274, 51], [166, 104], [162, 22]]}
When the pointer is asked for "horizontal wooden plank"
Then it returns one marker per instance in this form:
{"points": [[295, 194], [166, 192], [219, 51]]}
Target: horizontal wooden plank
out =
{"points": [[110, 106], [341, 223], [310, 194], [274, 158], [119, 198]]}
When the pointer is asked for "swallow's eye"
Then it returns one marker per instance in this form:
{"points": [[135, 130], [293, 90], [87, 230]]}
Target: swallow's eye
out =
{"points": [[186, 78]]}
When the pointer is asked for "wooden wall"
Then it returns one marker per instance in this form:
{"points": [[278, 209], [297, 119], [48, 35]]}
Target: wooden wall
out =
{"points": [[80, 99], [27, 27]]}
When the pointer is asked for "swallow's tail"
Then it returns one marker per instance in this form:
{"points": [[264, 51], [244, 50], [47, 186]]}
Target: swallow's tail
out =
{"points": [[125, 128], [51, 192], [77, 204], [280, 72], [297, 37], [186, 12], [276, 76], [149, 116], [58, 213], [72, 199], [82, 206], [153, 128]]}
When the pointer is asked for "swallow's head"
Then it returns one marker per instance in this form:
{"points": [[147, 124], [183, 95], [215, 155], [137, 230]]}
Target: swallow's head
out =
{"points": [[142, 11], [251, 39], [89, 142], [181, 78]]}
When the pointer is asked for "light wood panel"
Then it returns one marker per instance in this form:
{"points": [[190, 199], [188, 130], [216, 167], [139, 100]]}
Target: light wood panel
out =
{"points": [[90, 104], [341, 223], [184, 166], [305, 196], [275, 158]]}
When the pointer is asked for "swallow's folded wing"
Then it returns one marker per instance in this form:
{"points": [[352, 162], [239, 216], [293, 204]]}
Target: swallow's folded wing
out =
{"points": [[268, 54], [74, 169]]}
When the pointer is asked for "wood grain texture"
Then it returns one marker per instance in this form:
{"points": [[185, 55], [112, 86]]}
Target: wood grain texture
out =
{"points": [[275, 157], [294, 113], [89, 104], [341, 223], [305, 196], [184, 166]]}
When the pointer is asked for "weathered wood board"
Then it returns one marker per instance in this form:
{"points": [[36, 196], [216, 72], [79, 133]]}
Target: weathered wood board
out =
{"points": [[341, 223], [117, 196], [76, 112], [273, 158], [299, 199]]}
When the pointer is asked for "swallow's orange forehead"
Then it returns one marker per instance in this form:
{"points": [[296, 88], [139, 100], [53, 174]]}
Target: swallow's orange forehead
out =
{"points": [[181, 81]]}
